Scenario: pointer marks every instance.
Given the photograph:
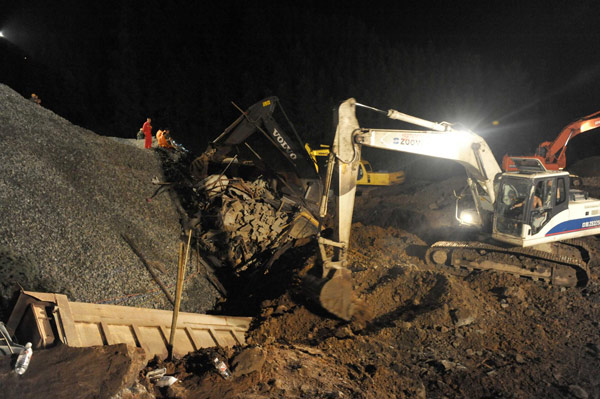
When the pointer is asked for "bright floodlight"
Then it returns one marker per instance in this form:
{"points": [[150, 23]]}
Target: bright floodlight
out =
{"points": [[469, 217], [1, 34]]}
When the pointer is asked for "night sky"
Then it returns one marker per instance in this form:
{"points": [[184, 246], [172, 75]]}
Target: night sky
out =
{"points": [[532, 66]]}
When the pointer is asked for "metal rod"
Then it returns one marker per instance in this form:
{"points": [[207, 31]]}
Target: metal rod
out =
{"points": [[371, 108], [8, 341], [239, 109], [253, 152]]}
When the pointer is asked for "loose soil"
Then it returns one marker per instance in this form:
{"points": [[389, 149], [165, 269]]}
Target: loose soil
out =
{"points": [[430, 334]]}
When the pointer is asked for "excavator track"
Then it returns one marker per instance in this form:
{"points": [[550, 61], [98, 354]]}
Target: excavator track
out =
{"points": [[560, 270]]}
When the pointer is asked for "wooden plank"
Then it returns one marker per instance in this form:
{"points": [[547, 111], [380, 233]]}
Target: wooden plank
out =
{"points": [[239, 336], [58, 324], [165, 334], [67, 320], [224, 337], [213, 335], [28, 329], [154, 340], [203, 337], [89, 334], [17, 313], [41, 296], [242, 322], [123, 334], [182, 344], [43, 324], [88, 312]]}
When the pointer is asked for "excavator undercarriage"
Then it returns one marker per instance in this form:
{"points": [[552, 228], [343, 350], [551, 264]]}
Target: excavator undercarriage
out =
{"points": [[567, 266]]}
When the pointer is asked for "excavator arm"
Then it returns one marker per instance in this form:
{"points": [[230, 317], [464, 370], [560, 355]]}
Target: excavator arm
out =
{"points": [[552, 154], [464, 147], [441, 141]]}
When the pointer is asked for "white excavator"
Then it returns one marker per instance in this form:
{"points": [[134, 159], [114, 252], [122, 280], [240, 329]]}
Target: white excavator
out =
{"points": [[532, 214]]}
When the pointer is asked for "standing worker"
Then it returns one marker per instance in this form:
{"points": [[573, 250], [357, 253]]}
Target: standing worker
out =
{"points": [[147, 128]]}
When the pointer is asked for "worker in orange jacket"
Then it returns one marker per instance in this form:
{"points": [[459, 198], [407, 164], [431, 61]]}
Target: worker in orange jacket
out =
{"points": [[164, 138], [147, 128]]}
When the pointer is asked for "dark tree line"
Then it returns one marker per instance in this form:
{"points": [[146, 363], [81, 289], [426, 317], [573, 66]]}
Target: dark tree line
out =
{"points": [[183, 65]]}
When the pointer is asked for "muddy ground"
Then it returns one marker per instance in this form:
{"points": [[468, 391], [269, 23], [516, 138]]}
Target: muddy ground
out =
{"points": [[432, 334], [429, 334]]}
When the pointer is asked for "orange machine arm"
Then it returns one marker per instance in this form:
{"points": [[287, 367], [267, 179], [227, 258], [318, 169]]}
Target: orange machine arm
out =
{"points": [[554, 152]]}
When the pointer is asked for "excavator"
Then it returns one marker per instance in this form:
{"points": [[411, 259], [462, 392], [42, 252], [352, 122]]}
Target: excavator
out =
{"points": [[531, 216], [552, 154], [366, 176]]}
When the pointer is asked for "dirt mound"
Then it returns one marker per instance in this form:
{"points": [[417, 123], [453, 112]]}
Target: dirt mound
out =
{"points": [[431, 334], [65, 372]]}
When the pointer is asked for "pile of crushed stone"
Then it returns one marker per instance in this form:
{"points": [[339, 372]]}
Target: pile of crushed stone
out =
{"points": [[67, 195]]}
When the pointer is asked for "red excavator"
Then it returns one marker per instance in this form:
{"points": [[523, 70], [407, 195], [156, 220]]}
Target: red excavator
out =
{"points": [[552, 154]]}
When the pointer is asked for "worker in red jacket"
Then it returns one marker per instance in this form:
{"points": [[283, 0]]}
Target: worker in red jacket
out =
{"points": [[147, 128]]}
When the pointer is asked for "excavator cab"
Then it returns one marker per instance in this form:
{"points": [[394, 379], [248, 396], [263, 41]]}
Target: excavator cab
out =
{"points": [[527, 203], [550, 201], [528, 200], [520, 212]]}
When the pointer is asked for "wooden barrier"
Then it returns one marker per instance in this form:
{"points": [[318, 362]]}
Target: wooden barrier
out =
{"points": [[46, 318]]}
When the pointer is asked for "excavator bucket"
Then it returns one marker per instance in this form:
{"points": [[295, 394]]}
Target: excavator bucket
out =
{"points": [[336, 295], [261, 137]]}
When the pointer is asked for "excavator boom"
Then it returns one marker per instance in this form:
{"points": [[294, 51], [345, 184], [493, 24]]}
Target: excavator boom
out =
{"points": [[552, 154], [442, 141]]}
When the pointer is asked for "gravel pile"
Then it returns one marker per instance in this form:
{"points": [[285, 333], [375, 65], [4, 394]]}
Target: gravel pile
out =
{"points": [[66, 196]]}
